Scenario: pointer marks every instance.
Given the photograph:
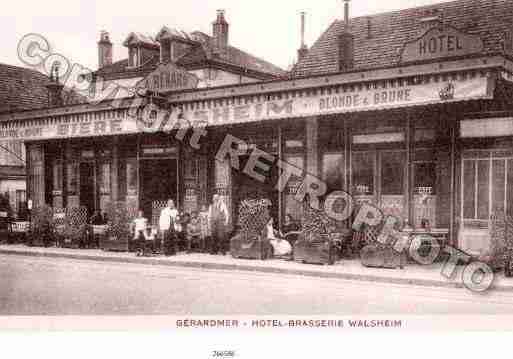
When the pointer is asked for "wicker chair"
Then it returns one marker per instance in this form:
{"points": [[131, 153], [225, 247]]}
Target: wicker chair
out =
{"points": [[251, 240], [378, 255], [314, 244], [75, 230]]}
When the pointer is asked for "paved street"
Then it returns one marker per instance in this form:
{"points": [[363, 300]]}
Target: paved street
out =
{"points": [[52, 286]]}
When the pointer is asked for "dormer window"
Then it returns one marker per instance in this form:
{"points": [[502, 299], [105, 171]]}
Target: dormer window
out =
{"points": [[141, 49], [174, 43]]}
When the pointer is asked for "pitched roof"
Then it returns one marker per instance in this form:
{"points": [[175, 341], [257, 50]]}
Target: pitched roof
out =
{"points": [[390, 31], [140, 38], [120, 69], [233, 56], [201, 53], [25, 89]]}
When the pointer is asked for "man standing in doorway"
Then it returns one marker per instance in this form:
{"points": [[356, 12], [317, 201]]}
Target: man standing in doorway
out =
{"points": [[218, 219], [168, 217]]}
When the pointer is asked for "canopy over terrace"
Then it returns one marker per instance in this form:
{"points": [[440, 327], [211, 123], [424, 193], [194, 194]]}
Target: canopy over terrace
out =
{"points": [[380, 89]]}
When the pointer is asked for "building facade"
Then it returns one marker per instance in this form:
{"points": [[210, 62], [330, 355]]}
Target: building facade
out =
{"points": [[21, 89], [408, 110]]}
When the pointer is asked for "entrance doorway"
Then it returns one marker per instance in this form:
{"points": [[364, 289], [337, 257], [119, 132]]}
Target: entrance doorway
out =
{"points": [[159, 182], [87, 189], [245, 187]]}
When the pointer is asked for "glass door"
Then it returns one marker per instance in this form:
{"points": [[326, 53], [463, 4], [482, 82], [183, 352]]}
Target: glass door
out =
{"points": [[392, 189]]}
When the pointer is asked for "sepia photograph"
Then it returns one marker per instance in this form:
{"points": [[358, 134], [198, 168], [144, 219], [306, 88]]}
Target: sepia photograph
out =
{"points": [[232, 166]]}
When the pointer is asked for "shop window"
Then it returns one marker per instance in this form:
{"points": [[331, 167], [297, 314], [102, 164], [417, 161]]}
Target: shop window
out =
{"points": [[21, 204], [424, 182], [392, 173], [363, 164], [333, 171], [476, 188], [425, 135], [292, 206]]}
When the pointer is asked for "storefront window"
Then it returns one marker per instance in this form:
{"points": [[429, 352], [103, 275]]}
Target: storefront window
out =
{"points": [[292, 206], [425, 178], [363, 164], [476, 189], [392, 173], [333, 171]]}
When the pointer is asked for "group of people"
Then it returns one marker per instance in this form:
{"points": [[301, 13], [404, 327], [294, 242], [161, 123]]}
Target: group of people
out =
{"points": [[207, 229]]}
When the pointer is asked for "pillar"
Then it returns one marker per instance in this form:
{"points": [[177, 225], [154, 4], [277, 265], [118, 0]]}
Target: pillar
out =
{"points": [[36, 175], [312, 146], [115, 170]]}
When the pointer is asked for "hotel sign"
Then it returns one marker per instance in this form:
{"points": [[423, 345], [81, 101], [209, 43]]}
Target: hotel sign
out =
{"points": [[441, 42], [169, 77], [362, 99]]}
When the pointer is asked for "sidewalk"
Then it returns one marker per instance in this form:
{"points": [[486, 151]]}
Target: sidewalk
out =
{"points": [[413, 274]]}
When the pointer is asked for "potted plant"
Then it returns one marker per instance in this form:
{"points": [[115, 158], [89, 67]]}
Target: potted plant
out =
{"points": [[41, 233], [118, 236]]}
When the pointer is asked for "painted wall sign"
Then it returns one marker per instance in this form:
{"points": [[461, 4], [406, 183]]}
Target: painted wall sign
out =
{"points": [[441, 42], [57, 130], [350, 101], [169, 77], [358, 99]]}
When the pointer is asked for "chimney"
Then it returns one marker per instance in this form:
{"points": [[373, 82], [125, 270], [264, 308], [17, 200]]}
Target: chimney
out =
{"points": [[346, 43], [54, 88], [104, 50], [303, 49], [346, 12], [220, 33]]}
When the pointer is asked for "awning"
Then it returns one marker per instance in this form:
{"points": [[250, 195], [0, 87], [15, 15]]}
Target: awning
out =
{"points": [[358, 98]]}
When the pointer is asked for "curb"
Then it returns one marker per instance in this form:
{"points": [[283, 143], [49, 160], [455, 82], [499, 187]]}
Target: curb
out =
{"points": [[250, 268]]}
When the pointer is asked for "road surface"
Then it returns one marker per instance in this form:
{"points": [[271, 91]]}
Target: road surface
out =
{"points": [[51, 286]]}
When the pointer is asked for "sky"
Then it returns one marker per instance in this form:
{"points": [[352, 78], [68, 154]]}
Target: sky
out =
{"points": [[269, 29]]}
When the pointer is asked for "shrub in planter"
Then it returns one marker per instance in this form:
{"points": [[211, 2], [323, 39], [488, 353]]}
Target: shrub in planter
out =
{"points": [[41, 227], [315, 245], [118, 236]]}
